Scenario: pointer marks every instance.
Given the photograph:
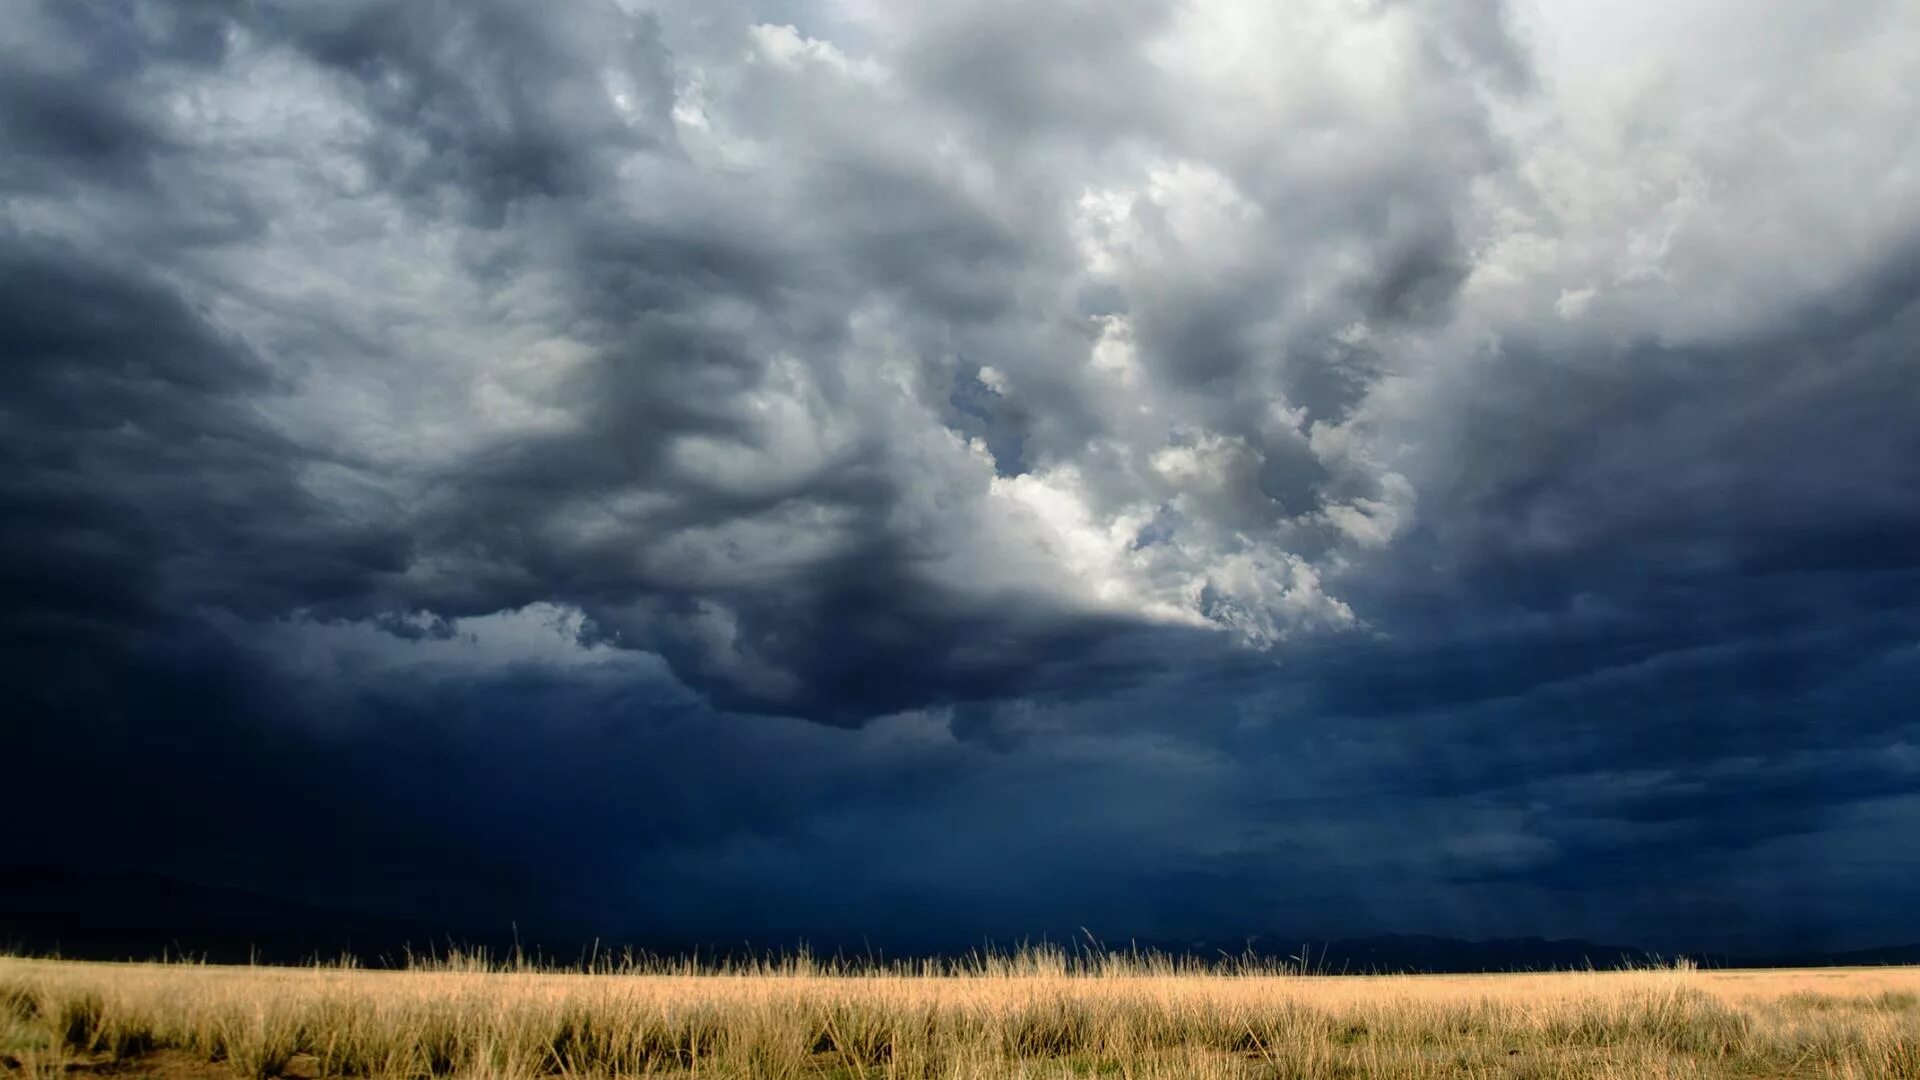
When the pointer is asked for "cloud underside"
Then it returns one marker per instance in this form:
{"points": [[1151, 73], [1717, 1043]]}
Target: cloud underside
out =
{"points": [[1152, 452]]}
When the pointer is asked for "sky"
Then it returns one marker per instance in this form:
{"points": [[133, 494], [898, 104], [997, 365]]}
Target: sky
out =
{"points": [[918, 472]]}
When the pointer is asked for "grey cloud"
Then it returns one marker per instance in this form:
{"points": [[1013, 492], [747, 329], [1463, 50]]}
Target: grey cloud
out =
{"points": [[78, 106], [133, 454], [1073, 70], [493, 102]]}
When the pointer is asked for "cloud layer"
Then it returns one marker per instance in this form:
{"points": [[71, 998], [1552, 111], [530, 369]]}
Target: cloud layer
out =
{"points": [[1202, 468]]}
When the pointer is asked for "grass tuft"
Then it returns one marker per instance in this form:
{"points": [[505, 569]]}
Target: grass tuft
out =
{"points": [[1040, 1014]]}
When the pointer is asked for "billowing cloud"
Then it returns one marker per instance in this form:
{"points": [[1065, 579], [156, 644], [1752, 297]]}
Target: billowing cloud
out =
{"points": [[1323, 416]]}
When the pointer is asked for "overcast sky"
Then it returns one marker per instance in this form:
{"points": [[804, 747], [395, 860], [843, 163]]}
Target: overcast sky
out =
{"points": [[780, 468]]}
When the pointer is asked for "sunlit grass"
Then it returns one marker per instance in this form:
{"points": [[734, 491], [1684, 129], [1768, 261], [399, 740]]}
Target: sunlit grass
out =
{"points": [[1037, 1013]]}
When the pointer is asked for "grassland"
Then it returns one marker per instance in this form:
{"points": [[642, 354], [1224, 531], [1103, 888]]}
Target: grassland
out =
{"points": [[1036, 1015]]}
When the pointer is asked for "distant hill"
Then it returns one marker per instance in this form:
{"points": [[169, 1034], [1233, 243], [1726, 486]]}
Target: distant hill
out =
{"points": [[145, 916], [1393, 953], [1419, 952], [1875, 957]]}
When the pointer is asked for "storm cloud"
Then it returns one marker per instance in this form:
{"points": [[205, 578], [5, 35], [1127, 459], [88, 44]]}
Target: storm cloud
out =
{"points": [[779, 468]]}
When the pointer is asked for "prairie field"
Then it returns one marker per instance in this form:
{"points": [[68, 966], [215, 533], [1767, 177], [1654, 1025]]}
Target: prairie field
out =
{"points": [[1031, 1015]]}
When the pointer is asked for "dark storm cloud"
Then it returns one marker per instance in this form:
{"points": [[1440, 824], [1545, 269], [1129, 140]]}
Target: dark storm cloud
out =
{"points": [[1785, 450], [491, 102], [81, 115], [506, 114], [436, 796], [729, 470], [137, 477]]}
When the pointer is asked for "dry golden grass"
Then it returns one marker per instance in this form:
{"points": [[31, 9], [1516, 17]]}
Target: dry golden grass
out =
{"points": [[1035, 1015]]}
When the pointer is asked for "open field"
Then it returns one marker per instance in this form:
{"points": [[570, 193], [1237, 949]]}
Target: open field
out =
{"points": [[1025, 1016]]}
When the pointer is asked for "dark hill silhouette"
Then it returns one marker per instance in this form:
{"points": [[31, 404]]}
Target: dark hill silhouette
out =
{"points": [[122, 916], [103, 916]]}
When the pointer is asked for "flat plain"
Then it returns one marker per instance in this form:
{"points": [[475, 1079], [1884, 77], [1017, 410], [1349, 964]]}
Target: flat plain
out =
{"points": [[1030, 1015]]}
